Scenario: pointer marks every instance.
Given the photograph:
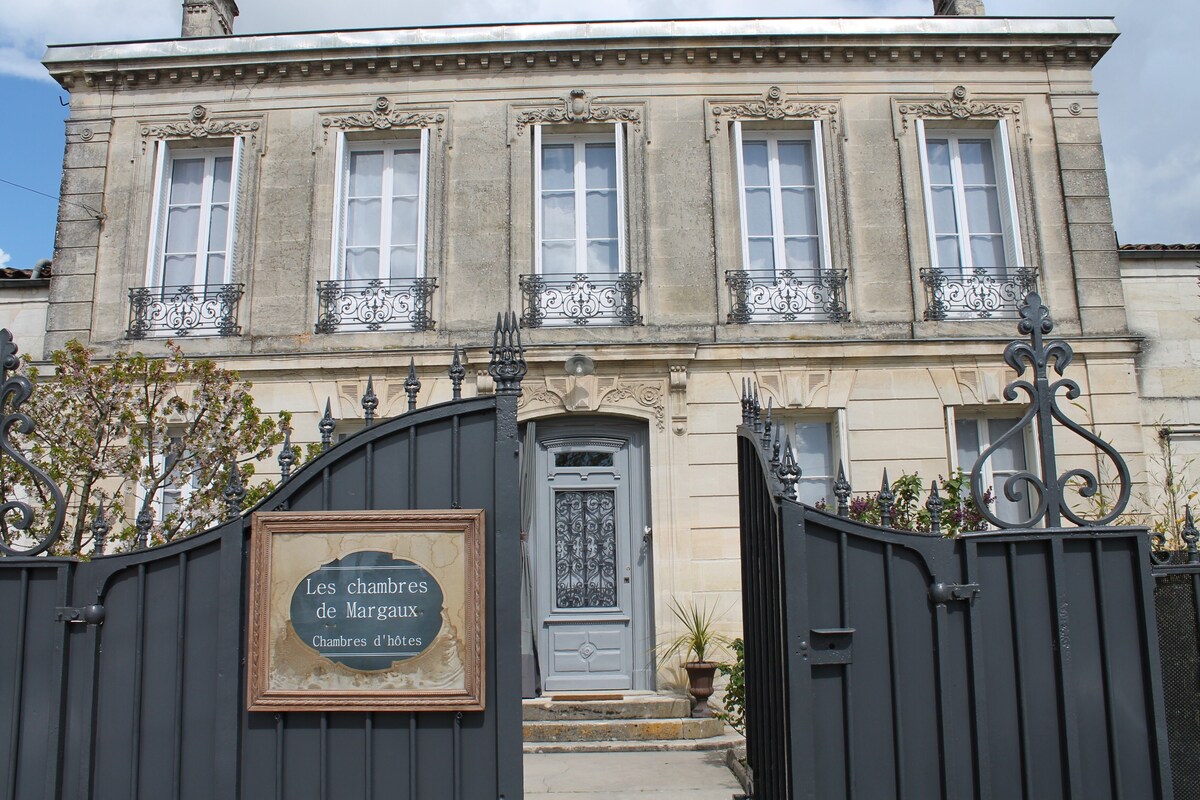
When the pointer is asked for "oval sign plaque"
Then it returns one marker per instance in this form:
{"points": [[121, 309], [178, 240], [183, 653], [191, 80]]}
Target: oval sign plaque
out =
{"points": [[368, 610]]}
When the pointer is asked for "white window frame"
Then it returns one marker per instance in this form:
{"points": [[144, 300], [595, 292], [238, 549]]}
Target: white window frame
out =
{"points": [[811, 134], [988, 476], [343, 147], [1006, 193], [164, 156], [839, 447], [616, 136]]}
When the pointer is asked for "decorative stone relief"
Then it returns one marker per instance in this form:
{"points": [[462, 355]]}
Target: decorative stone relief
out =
{"points": [[588, 393], [200, 126], [678, 387], [957, 105], [774, 106], [817, 388], [578, 106], [385, 116]]}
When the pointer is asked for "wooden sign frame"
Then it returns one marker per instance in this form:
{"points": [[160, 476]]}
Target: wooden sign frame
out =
{"points": [[284, 673]]}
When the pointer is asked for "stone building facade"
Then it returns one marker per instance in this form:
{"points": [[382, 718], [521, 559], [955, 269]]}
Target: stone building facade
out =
{"points": [[843, 211]]}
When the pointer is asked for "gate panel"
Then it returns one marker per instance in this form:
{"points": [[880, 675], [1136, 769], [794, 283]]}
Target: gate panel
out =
{"points": [[31, 674]]}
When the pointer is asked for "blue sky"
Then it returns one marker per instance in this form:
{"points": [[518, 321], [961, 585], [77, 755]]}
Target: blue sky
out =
{"points": [[1150, 102]]}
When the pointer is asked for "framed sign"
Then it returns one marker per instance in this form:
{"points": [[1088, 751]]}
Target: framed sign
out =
{"points": [[366, 610]]}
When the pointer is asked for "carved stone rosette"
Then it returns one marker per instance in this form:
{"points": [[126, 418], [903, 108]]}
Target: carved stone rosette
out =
{"points": [[957, 105], [578, 106], [773, 106], [199, 125]]}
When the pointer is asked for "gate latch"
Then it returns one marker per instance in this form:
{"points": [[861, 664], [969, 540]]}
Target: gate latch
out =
{"points": [[91, 615], [828, 646], [942, 593]]}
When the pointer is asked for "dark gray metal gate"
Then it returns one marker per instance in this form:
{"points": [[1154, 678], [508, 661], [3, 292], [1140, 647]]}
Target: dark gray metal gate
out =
{"points": [[1019, 663], [124, 676], [1177, 601]]}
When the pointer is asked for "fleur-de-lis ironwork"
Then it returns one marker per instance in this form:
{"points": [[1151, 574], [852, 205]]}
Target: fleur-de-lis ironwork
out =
{"points": [[1190, 536], [141, 537], [100, 528], [370, 402], [887, 501], [1043, 411], [841, 490], [235, 491], [326, 426], [411, 384], [457, 373], [507, 366], [287, 456], [766, 431], [14, 391], [934, 505], [788, 471]]}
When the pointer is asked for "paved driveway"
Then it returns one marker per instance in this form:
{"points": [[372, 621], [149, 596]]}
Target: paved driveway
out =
{"points": [[629, 776]]}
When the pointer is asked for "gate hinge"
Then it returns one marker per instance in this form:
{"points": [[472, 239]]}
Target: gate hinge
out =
{"points": [[942, 593], [91, 615]]}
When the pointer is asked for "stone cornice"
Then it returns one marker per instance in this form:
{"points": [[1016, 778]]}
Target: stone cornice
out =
{"points": [[784, 42]]}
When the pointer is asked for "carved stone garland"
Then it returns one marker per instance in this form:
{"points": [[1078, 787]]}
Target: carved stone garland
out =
{"points": [[579, 107], [957, 105], [384, 116], [774, 106], [199, 126]]}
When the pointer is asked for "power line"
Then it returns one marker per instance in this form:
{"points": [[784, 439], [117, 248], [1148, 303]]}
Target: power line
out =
{"points": [[89, 209]]}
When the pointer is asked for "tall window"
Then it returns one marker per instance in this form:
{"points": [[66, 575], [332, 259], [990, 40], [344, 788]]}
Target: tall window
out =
{"points": [[580, 203], [972, 433], [785, 221], [969, 200], [381, 222], [819, 447], [192, 239]]}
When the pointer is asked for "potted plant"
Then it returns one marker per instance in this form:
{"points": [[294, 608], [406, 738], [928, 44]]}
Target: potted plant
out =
{"points": [[697, 645]]}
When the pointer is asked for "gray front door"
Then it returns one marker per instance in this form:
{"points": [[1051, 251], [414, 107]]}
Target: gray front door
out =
{"points": [[592, 552]]}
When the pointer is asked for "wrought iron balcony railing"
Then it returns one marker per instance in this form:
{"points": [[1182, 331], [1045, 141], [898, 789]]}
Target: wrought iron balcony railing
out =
{"points": [[375, 304], [555, 300], [788, 295], [978, 294], [159, 311]]}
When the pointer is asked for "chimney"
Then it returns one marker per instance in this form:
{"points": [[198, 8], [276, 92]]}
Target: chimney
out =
{"points": [[208, 17], [958, 8]]}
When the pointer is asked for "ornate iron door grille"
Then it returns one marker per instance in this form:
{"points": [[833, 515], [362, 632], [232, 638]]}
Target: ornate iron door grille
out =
{"points": [[585, 549]]}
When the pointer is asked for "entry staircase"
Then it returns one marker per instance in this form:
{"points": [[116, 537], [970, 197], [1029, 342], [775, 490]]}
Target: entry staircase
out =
{"points": [[629, 722]]}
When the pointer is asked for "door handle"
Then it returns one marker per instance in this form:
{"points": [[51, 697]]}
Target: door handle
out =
{"points": [[647, 534]]}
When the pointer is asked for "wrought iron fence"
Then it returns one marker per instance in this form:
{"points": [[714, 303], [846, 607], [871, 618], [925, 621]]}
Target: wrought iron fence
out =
{"points": [[979, 294], [184, 310], [580, 299], [375, 304], [790, 295]]}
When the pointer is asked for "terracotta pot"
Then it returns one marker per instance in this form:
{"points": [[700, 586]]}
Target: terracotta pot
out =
{"points": [[700, 685]]}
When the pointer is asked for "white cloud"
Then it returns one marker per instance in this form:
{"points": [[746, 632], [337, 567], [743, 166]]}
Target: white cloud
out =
{"points": [[4, 258]]}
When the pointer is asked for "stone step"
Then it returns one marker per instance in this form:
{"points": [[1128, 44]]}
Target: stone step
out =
{"points": [[562, 708], [622, 730], [726, 741]]}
